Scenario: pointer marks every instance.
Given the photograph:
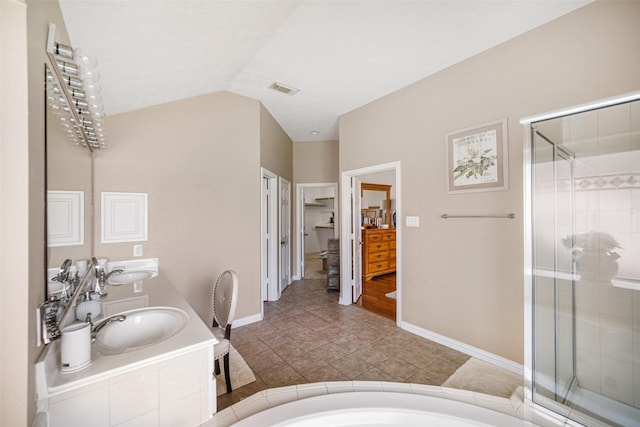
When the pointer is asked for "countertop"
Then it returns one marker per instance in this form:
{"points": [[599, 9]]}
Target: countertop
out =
{"points": [[157, 292]]}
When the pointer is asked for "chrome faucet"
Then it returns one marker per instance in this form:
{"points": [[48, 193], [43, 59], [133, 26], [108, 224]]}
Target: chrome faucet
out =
{"points": [[64, 272], [101, 274], [101, 324], [105, 277], [101, 277], [65, 277], [96, 266]]}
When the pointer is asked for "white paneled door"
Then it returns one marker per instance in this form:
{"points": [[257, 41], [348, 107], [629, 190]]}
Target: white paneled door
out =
{"points": [[285, 233], [269, 233]]}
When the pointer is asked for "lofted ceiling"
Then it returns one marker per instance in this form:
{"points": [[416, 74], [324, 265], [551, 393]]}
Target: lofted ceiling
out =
{"points": [[340, 55]]}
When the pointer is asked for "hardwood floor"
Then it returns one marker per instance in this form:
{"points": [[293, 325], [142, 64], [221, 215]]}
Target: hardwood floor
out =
{"points": [[373, 296]]}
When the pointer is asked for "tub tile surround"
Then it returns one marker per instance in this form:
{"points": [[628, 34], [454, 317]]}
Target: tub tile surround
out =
{"points": [[168, 383], [266, 399], [513, 406]]}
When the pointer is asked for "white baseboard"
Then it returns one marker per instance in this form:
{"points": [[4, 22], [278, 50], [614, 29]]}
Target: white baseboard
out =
{"points": [[294, 278], [472, 351], [246, 320]]}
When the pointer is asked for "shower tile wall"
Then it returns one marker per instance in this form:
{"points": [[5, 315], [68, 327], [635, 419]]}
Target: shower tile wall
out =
{"points": [[607, 199]]}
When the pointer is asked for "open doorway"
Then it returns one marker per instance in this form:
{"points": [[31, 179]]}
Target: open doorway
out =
{"points": [[316, 209], [353, 238]]}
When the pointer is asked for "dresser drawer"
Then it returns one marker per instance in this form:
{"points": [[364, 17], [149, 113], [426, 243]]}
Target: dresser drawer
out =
{"points": [[378, 266], [378, 247], [373, 238], [378, 256], [389, 237]]}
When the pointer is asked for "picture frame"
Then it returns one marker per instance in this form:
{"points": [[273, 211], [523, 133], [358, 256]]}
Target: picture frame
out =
{"points": [[477, 158]]}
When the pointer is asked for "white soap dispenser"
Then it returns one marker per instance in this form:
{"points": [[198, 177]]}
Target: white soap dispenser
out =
{"points": [[88, 305]]}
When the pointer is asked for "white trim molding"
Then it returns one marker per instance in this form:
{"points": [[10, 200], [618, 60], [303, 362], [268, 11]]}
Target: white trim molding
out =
{"points": [[65, 218], [124, 217], [246, 320], [472, 351]]}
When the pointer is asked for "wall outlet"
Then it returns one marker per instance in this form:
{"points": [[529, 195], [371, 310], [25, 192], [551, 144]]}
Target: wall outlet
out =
{"points": [[137, 250]]}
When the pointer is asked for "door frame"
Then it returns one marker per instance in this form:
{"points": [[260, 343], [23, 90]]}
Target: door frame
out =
{"points": [[356, 245], [346, 279], [300, 220], [268, 241], [284, 273]]}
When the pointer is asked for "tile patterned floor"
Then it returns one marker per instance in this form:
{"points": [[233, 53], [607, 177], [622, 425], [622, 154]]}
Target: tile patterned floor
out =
{"points": [[308, 337]]}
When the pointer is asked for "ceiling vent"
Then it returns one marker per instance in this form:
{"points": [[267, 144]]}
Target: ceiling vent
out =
{"points": [[283, 88]]}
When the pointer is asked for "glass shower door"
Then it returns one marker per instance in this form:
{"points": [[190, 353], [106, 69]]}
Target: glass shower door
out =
{"points": [[553, 286]]}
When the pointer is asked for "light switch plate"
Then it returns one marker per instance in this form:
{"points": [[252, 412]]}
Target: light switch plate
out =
{"points": [[137, 250], [413, 221]]}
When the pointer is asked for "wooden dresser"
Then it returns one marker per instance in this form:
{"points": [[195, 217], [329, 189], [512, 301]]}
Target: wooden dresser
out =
{"points": [[378, 251]]}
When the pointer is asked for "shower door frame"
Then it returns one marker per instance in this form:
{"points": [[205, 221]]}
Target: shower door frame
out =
{"points": [[561, 388]]}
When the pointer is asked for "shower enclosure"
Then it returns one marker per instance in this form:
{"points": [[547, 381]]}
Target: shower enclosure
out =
{"points": [[582, 179]]}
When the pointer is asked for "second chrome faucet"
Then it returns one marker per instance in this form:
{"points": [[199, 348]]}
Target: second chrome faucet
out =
{"points": [[102, 276]]}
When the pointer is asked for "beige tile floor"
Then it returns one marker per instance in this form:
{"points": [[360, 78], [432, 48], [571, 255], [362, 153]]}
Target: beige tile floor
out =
{"points": [[307, 337], [313, 267]]}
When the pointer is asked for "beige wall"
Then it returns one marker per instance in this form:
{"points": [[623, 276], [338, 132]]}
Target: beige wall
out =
{"points": [[199, 161], [14, 223], [315, 161], [22, 239], [464, 278], [276, 148]]}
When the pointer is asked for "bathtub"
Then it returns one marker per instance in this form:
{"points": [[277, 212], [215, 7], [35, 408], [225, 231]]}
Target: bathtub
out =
{"points": [[379, 409]]}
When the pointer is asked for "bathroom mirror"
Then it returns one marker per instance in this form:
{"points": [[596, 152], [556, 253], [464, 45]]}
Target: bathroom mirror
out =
{"points": [[69, 184], [376, 201]]}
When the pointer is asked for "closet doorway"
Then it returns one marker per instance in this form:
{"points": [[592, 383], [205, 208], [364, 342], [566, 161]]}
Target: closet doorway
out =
{"points": [[316, 214]]}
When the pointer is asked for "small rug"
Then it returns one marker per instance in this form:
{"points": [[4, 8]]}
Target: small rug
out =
{"points": [[391, 295], [241, 373], [482, 377]]}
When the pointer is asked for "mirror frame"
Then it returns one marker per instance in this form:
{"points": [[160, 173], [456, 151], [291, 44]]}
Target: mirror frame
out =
{"points": [[379, 187]]}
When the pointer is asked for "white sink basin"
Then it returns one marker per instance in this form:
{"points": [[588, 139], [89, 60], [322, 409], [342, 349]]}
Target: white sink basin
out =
{"points": [[131, 276], [140, 328]]}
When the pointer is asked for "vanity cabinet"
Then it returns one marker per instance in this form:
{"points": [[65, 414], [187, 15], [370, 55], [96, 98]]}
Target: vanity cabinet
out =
{"points": [[179, 391], [378, 252]]}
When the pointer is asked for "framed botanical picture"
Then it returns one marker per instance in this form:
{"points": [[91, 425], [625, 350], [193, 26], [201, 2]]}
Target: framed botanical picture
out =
{"points": [[477, 158]]}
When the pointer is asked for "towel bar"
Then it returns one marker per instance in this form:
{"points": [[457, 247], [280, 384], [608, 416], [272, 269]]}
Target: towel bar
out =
{"points": [[447, 216]]}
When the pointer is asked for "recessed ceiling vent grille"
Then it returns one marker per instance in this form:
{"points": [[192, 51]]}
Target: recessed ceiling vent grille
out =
{"points": [[288, 90]]}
